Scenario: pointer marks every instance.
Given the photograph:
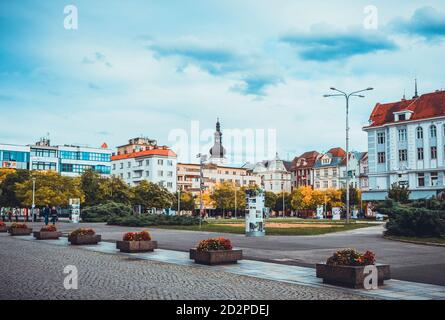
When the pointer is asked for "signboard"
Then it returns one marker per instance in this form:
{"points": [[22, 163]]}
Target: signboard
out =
{"points": [[9, 164], [319, 212], [255, 213], [75, 210], [355, 214], [336, 213]]}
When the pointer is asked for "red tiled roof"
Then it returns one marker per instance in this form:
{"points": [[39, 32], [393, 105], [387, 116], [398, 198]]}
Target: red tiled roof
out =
{"points": [[153, 152], [429, 105], [310, 157], [337, 152]]}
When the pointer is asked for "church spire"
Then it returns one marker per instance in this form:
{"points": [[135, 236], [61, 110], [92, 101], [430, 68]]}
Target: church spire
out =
{"points": [[416, 92]]}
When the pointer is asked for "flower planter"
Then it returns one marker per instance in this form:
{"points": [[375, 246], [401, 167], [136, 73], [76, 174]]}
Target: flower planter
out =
{"points": [[349, 276], [45, 235], [3, 229], [136, 246], [84, 239], [20, 231], [216, 257]]}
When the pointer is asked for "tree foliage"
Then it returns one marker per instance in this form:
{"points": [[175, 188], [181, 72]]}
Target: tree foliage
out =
{"points": [[51, 189], [399, 193], [151, 195], [8, 191]]}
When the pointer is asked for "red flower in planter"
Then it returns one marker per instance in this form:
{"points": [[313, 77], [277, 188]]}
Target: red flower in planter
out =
{"points": [[137, 236], [48, 228], [350, 257], [214, 244], [83, 232], [2, 224], [369, 258], [19, 226]]}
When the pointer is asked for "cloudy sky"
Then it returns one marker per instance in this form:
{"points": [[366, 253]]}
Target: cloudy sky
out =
{"points": [[150, 67]]}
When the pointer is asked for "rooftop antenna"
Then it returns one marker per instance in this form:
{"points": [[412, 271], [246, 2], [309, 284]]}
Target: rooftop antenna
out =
{"points": [[404, 95]]}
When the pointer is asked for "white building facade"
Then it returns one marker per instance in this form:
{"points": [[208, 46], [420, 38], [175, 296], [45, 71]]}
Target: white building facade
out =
{"points": [[406, 146], [275, 175], [138, 162]]}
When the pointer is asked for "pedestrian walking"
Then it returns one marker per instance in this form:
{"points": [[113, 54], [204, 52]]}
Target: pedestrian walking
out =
{"points": [[46, 213], [16, 214], [53, 215], [10, 214]]}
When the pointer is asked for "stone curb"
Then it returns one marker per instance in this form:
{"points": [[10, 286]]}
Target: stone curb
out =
{"points": [[415, 242]]}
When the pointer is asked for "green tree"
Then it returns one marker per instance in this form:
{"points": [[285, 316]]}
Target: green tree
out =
{"points": [[151, 195], [187, 201], [223, 196], [354, 196], [270, 200], [399, 193], [287, 201], [51, 188], [90, 182], [116, 190], [10, 178]]}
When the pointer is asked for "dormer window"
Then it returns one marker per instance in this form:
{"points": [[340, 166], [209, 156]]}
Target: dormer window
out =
{"points": [[402, 115], [326, 161]]}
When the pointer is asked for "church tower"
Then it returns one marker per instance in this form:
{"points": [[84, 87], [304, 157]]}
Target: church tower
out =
{"points": [[217, 152]]}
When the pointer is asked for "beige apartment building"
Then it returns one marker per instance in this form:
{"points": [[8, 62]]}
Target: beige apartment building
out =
{"points": [[188, 176]]}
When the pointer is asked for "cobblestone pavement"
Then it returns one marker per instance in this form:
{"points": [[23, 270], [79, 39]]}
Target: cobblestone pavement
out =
{"points": [[409, 262], [34, 270]]}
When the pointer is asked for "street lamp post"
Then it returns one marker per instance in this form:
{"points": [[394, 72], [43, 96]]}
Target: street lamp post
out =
{"points": [[179, 199], [202, 158], [33, 198], [347, 96]]}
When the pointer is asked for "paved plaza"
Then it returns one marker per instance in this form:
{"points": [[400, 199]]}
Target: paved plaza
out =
{"points": [[105, 273], [32, 269], [410, 262]]}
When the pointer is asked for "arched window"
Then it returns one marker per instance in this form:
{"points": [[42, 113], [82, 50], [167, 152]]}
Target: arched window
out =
{"points": [[433, 131], [419, 133]]}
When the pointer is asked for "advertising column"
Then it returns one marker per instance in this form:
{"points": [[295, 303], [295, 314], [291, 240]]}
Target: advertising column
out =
{"points": [[75, 210], [255, 213]]}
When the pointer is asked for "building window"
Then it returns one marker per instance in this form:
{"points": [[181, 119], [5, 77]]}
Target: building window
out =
{"points": [[160, 162], [160, 173], [317, 173], [334, 172], [147, 162], [381, 138], [169, 173], [128, 164], [381, 157], [419, 153], [403, 155], [334, 184], [128, 175], [433, 153], [122, 165], [419, 133], [421, 179], [434, 179], [170, 163], [402, 135], [325, 184], [317, 185], [147, 173], [169, 184], [114, 166], [433, 131], [326, 172]]}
